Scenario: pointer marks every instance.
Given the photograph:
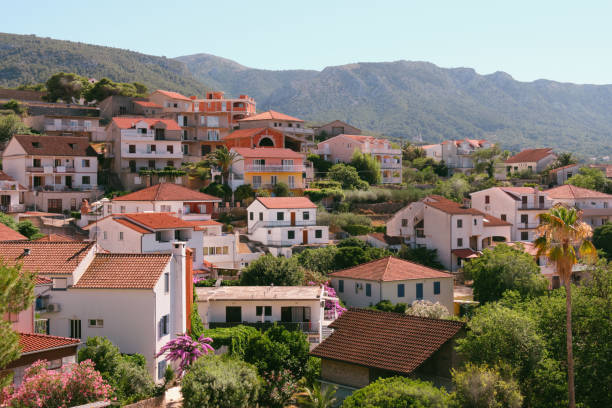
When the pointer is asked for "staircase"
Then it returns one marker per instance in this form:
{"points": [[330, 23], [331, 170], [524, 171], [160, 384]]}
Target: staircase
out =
{"points": [[326, 332]]}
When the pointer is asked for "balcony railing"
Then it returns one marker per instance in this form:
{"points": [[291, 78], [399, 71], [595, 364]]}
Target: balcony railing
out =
{"points": [[50, 169], [527, 225], [12, 208], [307, 327], [283, 223], [274, 167], [539, 206], [70, 128], [59, 187], [390, 165]]}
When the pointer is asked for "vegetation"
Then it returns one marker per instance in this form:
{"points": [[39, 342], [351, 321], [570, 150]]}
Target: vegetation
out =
{"points": [[316, 398], [347, 176], [29, 230], [398, 392], [218, 190], [66, 87], [185, 350], [602, 240], [10, 125], [504, 268], [485, 160], [425, 308], [321, 166], [223, 159], [105, 88], [484, 387], [387, 306], [244, 192], [367, 167], [281, 190], [271, 270], [420, 255], [593, 179]]}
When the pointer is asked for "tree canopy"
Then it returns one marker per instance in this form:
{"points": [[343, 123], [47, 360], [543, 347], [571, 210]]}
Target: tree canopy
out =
{"points": [[593, 179], [347, 176], [105, 88], [272, 270], [367, 167]]}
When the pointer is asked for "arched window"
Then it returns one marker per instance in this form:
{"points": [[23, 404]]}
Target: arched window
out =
{"points": [[266, 142]]}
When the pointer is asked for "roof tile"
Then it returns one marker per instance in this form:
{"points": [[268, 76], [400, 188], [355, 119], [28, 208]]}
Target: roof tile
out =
{"points": [[530, 155], [45, 258], [34, 342], [268, 152], [286, 202], [271, 115], [38, 145], [167, 192], [130, 122], [9, 234], [569, 191], [173, 95], [390, 269]]}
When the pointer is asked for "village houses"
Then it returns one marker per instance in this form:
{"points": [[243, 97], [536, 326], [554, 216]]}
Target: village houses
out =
{"points": [[456, 154], [296, 136], [12, 194], [532, 161]]}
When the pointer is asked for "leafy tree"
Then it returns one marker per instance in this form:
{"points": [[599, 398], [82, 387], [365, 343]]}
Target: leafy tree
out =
{"points": [[396, 392], [243, 192], [319, 260], [10, 125], [223, 159], [593, 179], [316, 398], [353, 242], [278, 389], [387, 306], [564, 159], [32, 87], [347, 176], [216, 382], [281, 190], [485, 160], [15, 106], [67, 87], [16, 295], [185, 350], [456, 188], [103, 353], [504, 268], [218, 190], [105, 88], [271, 270], [420, 255], [8, 221], [367, 167], [484, 387], [411, 152], [29, 230], [349, 256], [602, 239], [563, 238], [320, 165]]}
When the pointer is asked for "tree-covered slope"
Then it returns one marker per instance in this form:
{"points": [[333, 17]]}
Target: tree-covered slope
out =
{"points": [[30, 59]]}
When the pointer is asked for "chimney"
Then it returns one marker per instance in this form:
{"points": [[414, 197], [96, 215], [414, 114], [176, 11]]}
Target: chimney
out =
{"points": [[26, 251], [178, 300]]}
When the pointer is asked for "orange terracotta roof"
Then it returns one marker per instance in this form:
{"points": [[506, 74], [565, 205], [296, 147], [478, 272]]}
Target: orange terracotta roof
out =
{"points": [[286, 202], [41, 280], [56, 238], [123, 271], [173, 95], [389, 269], [271, 115], [268, 153], [491, 221], [200, 225], [128, 223], [568, 191], [45, 258], [564, 167], [167, 192], [244, 133], [43, 145], [530, 155], [35, 343], [130, 122], [9, 234], [465, 253], [516, 192], [148, 104], [5, 177], [451, 207], [156, 221], [389, 341]]}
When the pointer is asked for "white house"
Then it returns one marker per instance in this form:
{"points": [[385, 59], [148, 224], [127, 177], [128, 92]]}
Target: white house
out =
{"points": [[392, 279], [456, 154], [455, 231], [58, 171], [520, 206], [560, 175], [534, 160], [138, 301], [596, 207], [12, 194], [281, 222], [232, 305]]}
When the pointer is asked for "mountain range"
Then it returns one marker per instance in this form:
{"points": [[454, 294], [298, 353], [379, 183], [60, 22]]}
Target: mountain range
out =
{"points": [[401, 99]]}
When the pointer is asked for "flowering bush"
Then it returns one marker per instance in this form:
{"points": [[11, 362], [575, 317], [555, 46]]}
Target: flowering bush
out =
{"points": [[425, 308], [186, 350], [77, 384], [279, 387], [331, 305]]}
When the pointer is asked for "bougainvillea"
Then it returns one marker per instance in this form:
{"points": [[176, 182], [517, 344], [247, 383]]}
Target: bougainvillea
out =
{"points": [[186, 350], [279, 387], [75, 384], [331, 305]]}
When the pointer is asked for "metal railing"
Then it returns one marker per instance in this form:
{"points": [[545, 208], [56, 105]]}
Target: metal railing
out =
{"points": [[282, 223], [539, 206], [274, 167], [527, 225], [12, 208], [307, 327]]}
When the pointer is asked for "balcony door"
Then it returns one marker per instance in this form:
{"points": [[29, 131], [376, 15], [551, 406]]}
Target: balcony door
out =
{"points": [[292, 219], [69, 181], [233, 314], [304, 236]]}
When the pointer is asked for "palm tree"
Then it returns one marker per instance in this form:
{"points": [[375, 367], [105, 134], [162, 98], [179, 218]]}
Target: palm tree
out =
{"points": [[223, 159], [564, 239], [315, 398]]}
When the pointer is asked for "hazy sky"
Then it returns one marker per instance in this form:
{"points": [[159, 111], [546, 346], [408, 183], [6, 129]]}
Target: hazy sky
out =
{"points": [[568, 41]]}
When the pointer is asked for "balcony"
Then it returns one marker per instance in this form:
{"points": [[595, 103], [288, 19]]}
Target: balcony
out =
{"points": [[51, 169], [64, 188], [153, 155], [295, 130], [283, 223], [70, 128], [271, 186], [527, 225], [539, 206], [390, 165], [12, 208], [307, 327], [589, 212], [297, 168]]}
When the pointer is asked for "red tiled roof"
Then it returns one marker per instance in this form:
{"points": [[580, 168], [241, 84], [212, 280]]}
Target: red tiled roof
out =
{"points": [[130, 122], [129, 224], [569, 191], [41, 280], [148, 104], [271, 115], [241, 133], [491, 221], [56, 238], [5, 177], [167, 192], [389, 269], [45, 258], [173, 95], [268, 152], [156, 220], [564, 167], [200, 225], [123, 271], [385, 340], [35, 343], [9, 234], [465, 253], [364, 138], [286, 202], [450, 207], [530, 155], [55, 145]]}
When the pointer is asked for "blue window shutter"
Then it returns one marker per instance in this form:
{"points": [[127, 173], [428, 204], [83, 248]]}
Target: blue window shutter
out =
{"points": [[341, 286], [400, 290], [419, 291], [436, 288], [368, 289]]}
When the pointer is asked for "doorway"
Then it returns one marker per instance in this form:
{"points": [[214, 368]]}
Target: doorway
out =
{"points": [[293, 219], [304, 236]]}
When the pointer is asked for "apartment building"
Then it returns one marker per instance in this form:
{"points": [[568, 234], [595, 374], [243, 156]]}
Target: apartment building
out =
{"points": [[138, 301], [67, 125], [456, 232], [254, 137], [457, 154], [12, 194], [532, 160], [263, 168], [392, 279], [144, 144], [282, 222], [59, 172], [335, 128], [296, 136], [519, 206], [120, 105], [340, 149], [596, 207], [171, 101]]}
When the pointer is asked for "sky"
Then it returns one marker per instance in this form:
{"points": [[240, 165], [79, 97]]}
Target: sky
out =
{"points": [[567, 41]]}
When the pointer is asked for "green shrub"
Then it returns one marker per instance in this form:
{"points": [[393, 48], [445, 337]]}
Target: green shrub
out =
{"points": [[281, 190], [484, 387], [398, 392], [357, 229], [312, 372], [213, 382], [236, 338], [272, 270], [387, 306], [132, 382]]}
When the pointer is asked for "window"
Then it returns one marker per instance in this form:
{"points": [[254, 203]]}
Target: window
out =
{"points": [[306, 215], [158, 236], [85, 163], [166, 208], [368, 289], [503, 217], [96, 323], [205, 251], [280, 216], [185, 149], [105, 234], [400, 290], [487, 200], [256, 181], [164, 326], [161, 369], [436, 288], [60, 283], [459, 242], [273, 180], [475, 221], [290, 234], [120, 235], [36, 163], [419, 291], [291, 181], [166, 282], [357, 287], [132, 149], [524, 236], [75, 329], [265, 310], [141, 131], [251, 215], [86, 180], [258, 310], [341, 286], [318, 233], [459, 223], [122, 209], [177, 235], [524, 218], [57, 162], [37, 181], [170, 149], [260, 216], [404, 222]]}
